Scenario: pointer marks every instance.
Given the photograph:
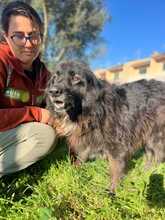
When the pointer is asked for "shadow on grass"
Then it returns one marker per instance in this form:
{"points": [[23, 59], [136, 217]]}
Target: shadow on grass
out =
{"points": [[19, 185], [155, 191], [133, 161]]}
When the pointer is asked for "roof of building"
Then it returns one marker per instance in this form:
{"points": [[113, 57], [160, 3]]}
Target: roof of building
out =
{"points": [[141, 63], [117, 68], [158, 56]]}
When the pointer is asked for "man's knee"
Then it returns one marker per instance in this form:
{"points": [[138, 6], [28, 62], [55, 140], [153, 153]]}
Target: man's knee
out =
{"points": [[28, 143], [42, 137]]}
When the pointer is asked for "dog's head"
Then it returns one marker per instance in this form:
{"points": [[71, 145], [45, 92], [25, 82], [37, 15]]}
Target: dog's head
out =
{"points": [[72, 90]]}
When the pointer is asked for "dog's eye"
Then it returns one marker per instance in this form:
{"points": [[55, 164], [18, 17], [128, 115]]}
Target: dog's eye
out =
{"points": [[76, 79], [71, 73], [58, 73]]}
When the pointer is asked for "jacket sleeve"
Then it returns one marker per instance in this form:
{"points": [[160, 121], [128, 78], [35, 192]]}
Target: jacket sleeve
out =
{"points": [[12, 117]]}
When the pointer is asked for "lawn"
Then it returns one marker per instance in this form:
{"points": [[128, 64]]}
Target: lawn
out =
{"points": [[54, 189]]}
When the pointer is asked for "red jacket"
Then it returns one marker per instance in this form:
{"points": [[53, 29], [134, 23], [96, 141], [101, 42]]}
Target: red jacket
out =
{"points": [[19, 95]]}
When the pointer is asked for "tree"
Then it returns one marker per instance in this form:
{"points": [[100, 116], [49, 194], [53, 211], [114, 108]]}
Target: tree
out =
{"points": [[71, 27]]}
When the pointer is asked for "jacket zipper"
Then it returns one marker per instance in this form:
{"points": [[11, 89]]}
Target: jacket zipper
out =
{"points": [[33, 99]]}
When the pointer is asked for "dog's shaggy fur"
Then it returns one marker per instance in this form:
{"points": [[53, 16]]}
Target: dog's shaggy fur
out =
{"points": [[98, 118]]}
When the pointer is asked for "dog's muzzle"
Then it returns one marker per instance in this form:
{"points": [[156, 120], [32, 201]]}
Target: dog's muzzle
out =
{"points": [[60, 100], [56, 98]]}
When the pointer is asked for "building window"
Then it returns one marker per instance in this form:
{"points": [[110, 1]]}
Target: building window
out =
{"points": [[143, 70], [163, 66], [116, 76]]}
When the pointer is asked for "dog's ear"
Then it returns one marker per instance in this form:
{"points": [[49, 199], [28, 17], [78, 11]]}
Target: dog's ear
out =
{"points": [[102, 93], [121, 93]]}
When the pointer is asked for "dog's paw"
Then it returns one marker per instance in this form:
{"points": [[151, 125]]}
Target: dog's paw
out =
{"points": [[77, 163], [110, 193]]}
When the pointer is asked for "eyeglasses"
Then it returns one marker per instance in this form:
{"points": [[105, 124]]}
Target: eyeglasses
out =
{"points": [[20, 39]]}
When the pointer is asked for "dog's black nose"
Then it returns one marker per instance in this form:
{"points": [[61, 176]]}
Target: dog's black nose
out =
{"points": [[56, 92]]}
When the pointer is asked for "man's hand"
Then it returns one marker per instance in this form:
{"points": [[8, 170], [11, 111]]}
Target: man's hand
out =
{"points": [[47, 117]]}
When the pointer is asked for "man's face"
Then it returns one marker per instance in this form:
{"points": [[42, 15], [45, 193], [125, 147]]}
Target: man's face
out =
{"points": [[24, 39]]}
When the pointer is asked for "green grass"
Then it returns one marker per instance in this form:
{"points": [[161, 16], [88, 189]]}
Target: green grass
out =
{"points": [[54, 189]]}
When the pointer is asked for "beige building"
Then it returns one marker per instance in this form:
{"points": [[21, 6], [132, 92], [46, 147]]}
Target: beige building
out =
{"points": [[148, 68]]}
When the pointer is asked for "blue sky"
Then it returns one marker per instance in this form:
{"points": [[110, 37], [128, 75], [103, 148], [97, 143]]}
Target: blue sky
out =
{"points": [[137, 29]]}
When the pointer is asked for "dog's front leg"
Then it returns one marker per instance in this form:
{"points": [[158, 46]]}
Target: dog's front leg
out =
{"points": [[73, 156], [81, 155], [117, 168]]}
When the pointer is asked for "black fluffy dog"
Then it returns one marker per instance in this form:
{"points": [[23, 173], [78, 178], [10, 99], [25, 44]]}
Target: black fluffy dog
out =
{"points": [[102, 119]]}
